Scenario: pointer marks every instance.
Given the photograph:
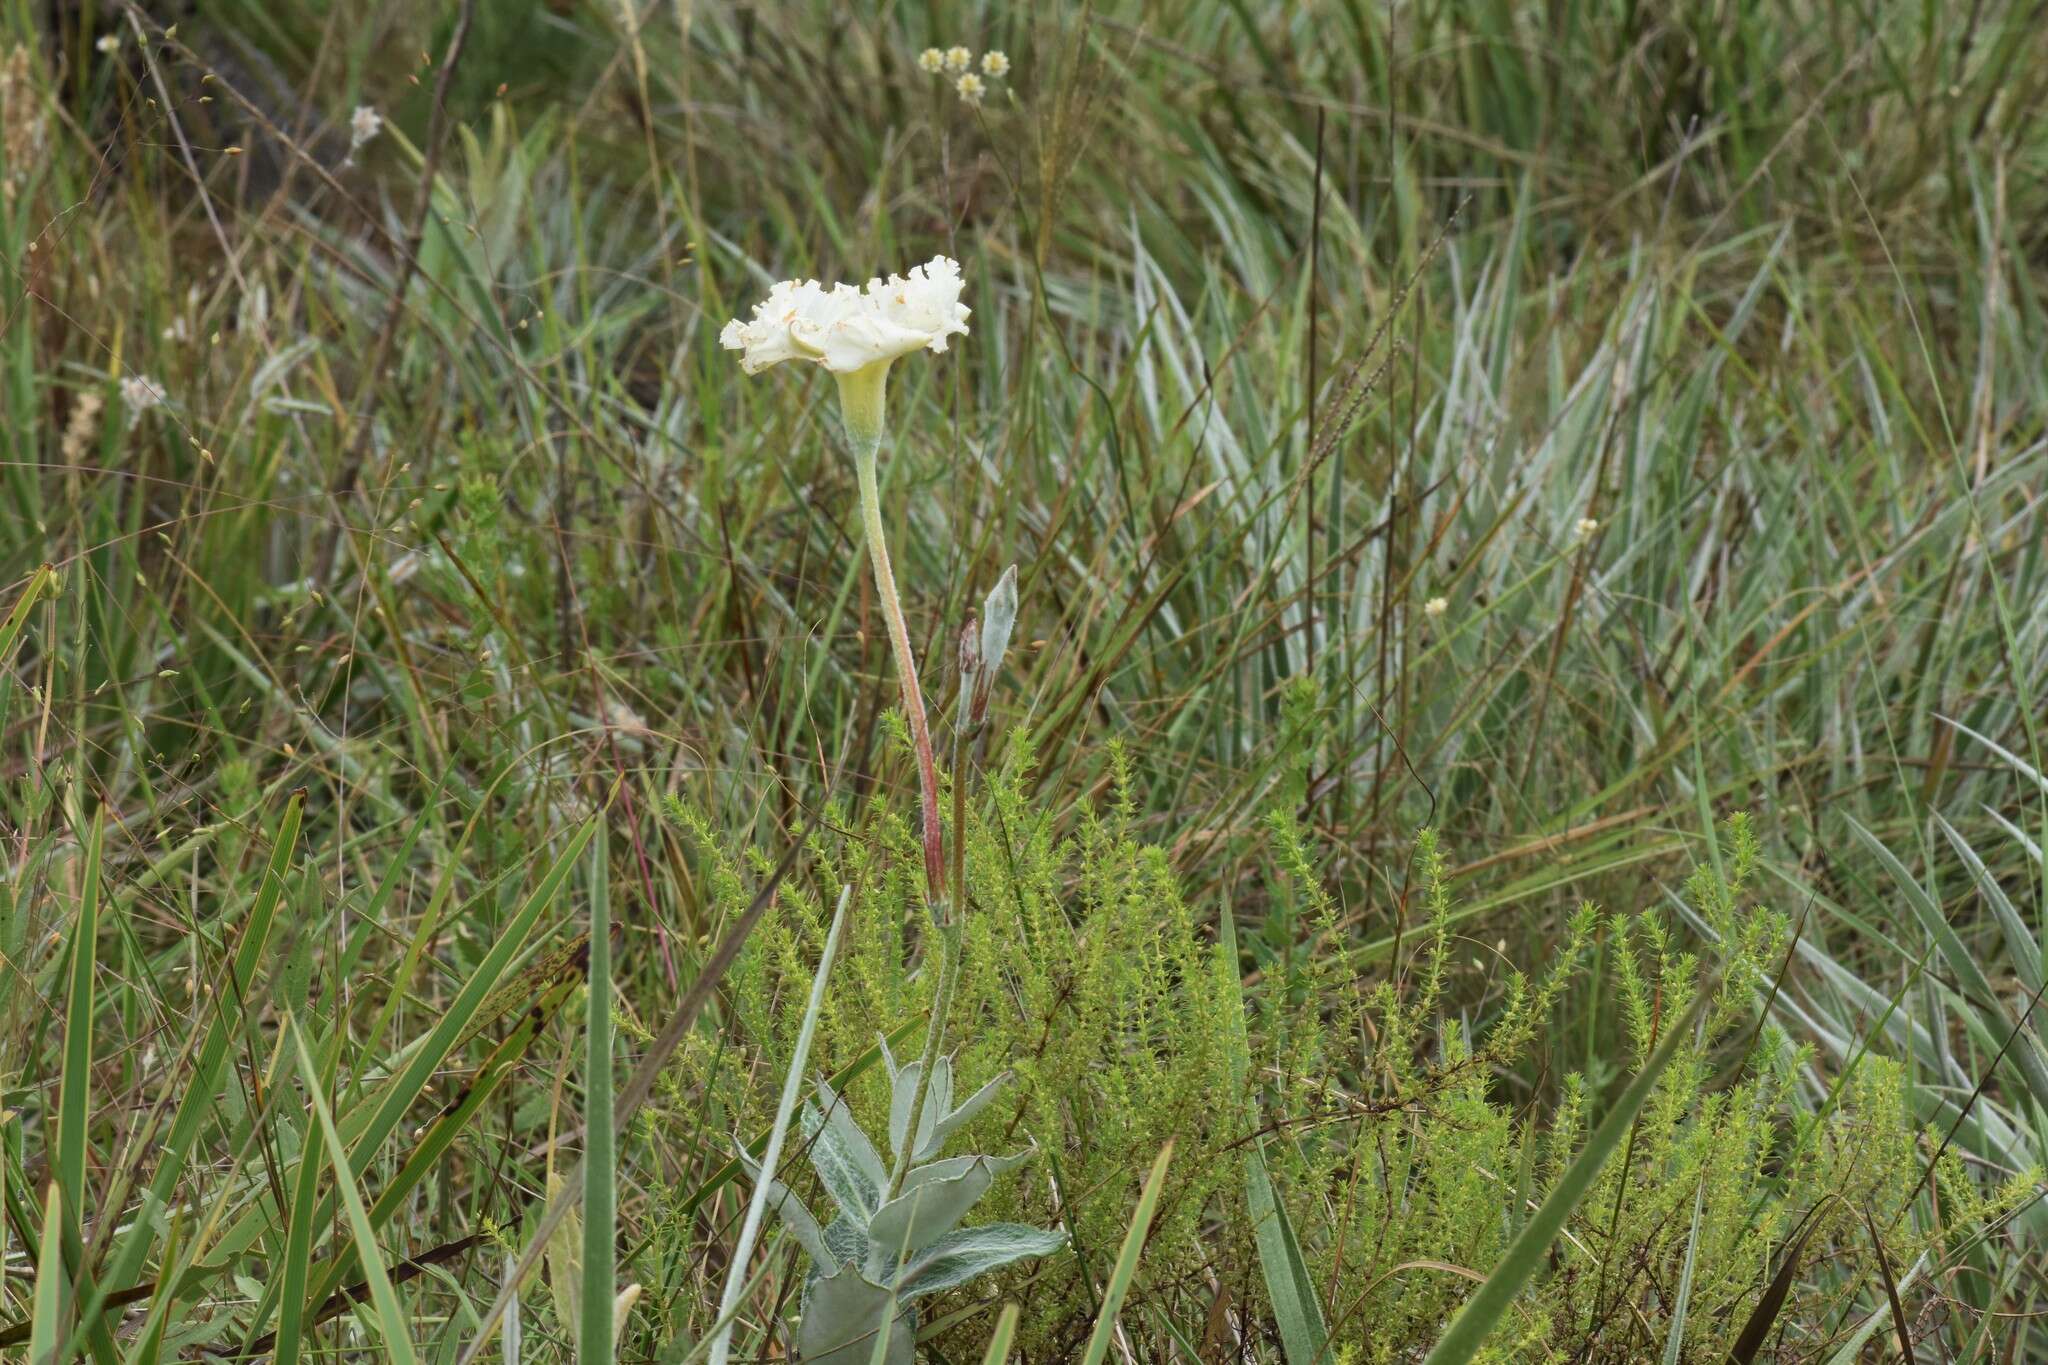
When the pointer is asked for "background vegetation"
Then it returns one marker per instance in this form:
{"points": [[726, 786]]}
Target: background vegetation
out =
{"points": [[455, 529]]}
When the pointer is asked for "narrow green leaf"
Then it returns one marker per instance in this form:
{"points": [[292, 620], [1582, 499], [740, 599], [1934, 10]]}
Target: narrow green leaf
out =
{"points": [[390, 1316], [2025, 1049], [298, 1248], [1475, 1321], [999, 1340], [1297, 1310], [1674, 1340], [792, 1086], [1126, 1267], [1757, 1328], [76, 1084], [46, 1322], [600, 1191]]}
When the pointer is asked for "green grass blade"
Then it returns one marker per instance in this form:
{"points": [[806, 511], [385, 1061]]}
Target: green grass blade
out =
{"points": [[68, 1159], [298, 1249], [1518, 1264], [999, 1340], [47, 1319], [1296, 1308], [390, 1315], [1674, 1340], [2025, 1051], [76, 1083], [600, 1192], [43, 580], [792, 1087], [1126, 1267], [398, 1094]]}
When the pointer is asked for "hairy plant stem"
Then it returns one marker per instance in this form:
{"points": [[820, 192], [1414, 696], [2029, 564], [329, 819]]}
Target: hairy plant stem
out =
{"points": [[861, 405], [948, 940], [860, 401]]}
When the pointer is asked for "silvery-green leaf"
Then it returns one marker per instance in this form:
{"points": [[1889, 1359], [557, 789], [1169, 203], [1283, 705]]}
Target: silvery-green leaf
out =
{"points": [[902, 1090], [998, 619], [939, 1097], [845, 1159], [934, 1199], [847, 1243], [843, 1317], [931, 1142], [963, 1254], [794, 1215]]}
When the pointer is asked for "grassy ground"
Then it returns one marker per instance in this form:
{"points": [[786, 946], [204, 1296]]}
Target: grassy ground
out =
{"points": [[1688, 355]]}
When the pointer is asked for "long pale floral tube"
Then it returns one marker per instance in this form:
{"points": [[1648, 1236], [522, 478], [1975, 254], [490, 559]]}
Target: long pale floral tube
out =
{"points": [[860, 401], [857, 334]]}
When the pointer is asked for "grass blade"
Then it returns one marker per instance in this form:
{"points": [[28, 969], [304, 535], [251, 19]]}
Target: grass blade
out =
{"points": [[1675, 1339], [1126, 1266], [600, 1195], [1470, 1328], [76, 1081], [1765, 1315], [792, 1087], [999, 1340], [46, 1320], [2026, 1053], [389, 1314], [1296, 1308], [1891, 1292]]}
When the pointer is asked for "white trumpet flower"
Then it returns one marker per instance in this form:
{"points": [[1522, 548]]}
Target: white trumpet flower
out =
{"points": [[858, 334], [847, 329]]}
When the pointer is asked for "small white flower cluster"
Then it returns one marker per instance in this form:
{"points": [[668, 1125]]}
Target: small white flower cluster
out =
{"points": [[363, 125], [140, 394], [957, 62]]}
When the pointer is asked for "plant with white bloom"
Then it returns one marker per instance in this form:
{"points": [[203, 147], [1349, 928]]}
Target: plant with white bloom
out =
{"points": [[895, 1239], [970, 88], [363, 126], [140, 394], [1435, 607], [109, 44], [858, 334], [958, 59], [994, 64], [931, 61], [1585, 528]]}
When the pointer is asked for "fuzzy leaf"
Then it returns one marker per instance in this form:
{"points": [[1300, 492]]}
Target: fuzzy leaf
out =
{"points": [[903, 1088], [843, 1317], [794, 1215], [934, 1199], [960, 1256], [845, 1159], [565, 1260], [846, 1243], [930, 1145], [998, 619]]}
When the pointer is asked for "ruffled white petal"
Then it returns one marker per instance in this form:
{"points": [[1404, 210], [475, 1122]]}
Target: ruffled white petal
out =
{"points": [[847, 329]]}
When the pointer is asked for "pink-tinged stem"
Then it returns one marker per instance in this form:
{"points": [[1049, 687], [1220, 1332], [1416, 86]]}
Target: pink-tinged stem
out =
{"points": [[861, 404]]}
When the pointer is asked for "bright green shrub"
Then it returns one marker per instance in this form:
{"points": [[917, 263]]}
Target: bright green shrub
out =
{"points": [[1404, 1168]]}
